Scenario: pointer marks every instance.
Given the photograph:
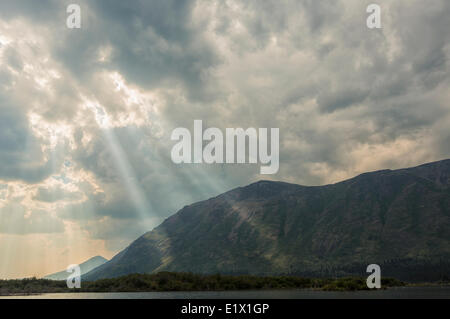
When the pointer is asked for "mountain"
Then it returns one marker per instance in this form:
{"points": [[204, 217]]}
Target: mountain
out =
{"points": [[399, 219], [85, 267]]}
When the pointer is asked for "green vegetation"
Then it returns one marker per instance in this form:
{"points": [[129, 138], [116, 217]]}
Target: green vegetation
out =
{"points": [[31, 286], [169, 281], [356, 283]]}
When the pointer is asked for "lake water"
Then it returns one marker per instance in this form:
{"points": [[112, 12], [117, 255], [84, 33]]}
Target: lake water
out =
{"points": [[392, 293]]}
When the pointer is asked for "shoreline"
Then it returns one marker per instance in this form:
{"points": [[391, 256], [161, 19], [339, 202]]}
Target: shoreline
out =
{"points": [[319, 290], [165, 282]]}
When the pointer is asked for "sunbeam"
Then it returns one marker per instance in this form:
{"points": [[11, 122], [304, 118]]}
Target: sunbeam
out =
{"points": [[126, 172]]}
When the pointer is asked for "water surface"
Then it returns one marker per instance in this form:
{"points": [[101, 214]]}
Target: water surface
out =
{"points": [[391, 293]]}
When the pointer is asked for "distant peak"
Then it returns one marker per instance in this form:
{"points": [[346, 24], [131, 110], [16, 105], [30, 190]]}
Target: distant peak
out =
{"points": [[98, 258]]}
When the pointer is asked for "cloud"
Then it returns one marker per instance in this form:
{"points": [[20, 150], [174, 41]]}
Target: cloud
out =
{"points": [[15, 219], [141, 43], [31, 10], [53, 194], [20, 152]]}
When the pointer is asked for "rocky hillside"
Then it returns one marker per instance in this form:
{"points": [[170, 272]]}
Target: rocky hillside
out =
{"points": [[399, 219]]}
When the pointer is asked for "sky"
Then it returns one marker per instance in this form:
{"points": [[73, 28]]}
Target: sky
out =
{"points": [[86, 114]]}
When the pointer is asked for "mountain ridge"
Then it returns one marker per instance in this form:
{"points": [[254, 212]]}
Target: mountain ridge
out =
{"points": [[270, 227]]}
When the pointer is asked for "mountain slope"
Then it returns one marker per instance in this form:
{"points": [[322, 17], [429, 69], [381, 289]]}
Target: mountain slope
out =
{"points": [[85, 267], [399, 219]]}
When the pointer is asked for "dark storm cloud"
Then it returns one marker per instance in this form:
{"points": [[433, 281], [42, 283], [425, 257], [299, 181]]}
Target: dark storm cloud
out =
{"points": [[98, 206], [42, 10], [21, 156], [332, 101], [154, 44], [54, 194]]}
